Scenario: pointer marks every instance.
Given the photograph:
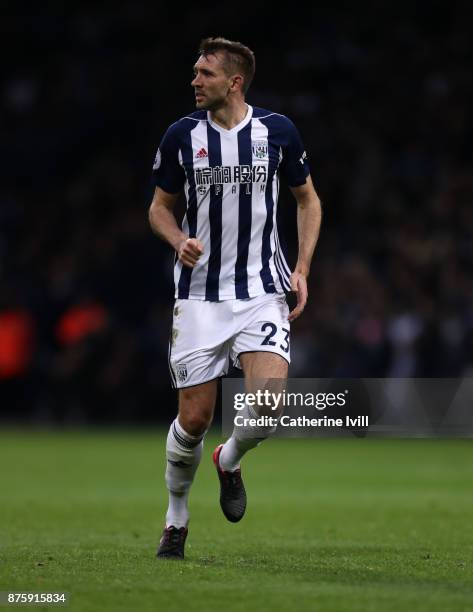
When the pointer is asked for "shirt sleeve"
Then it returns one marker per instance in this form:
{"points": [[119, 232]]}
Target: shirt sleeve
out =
{"points": [[294, 166], [167, 171]]}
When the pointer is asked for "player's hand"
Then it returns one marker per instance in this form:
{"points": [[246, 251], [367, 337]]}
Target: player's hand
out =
{"points": [[299, 286], [190, 251]]}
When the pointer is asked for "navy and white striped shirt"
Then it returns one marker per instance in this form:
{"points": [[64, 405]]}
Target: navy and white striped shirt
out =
{"points": [[231, 183]]}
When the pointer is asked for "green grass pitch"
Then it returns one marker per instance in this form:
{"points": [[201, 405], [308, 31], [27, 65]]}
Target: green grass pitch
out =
{"points": [[350, 524]]}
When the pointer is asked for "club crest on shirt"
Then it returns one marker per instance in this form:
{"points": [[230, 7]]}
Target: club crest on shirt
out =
{"points": [[260, 149], [181, 372]]}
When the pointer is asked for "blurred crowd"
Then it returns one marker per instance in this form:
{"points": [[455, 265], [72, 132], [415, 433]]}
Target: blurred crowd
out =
{"points": [[383, 101]]}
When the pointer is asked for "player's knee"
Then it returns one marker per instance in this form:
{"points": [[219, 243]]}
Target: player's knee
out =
{"points": [[195, 412], [194, 422]]}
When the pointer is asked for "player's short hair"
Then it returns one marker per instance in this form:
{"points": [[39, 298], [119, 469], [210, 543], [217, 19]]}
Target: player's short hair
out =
{"points": [[236, 57]]}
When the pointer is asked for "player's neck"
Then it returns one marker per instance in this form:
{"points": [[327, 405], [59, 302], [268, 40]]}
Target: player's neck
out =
{"points": [[231, 115]]}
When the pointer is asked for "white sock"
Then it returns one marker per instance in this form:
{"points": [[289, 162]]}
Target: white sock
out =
{"points": [[241, 441], [183, 453], [178, 510]]}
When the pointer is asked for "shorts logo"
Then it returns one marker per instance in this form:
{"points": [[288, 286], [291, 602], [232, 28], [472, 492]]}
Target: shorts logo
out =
{"points": [[181, 372], [260, 149]]}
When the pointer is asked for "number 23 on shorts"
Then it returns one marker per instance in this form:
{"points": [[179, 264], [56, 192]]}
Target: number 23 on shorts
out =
{"points": [[271, 330]]}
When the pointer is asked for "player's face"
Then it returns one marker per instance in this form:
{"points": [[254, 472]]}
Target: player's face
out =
{"points": [[211, 84]]}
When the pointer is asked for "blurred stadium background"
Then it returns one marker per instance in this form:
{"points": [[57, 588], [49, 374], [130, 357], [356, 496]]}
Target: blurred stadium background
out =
{"points": [[382, 97]]}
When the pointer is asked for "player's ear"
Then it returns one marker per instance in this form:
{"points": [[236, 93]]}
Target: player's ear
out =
{"points": [[237, 82]]}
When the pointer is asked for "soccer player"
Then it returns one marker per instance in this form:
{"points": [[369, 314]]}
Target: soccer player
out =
{"points": [[231, 274]]}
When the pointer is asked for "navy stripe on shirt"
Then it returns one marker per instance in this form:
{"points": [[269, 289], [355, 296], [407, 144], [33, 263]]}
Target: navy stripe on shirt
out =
{"points": [[244, 216], [191, 213], [265, 272], [215, 220]]}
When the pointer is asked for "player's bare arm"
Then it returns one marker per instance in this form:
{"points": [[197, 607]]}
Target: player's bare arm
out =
{"points": [[309, 218], [164, 224]]}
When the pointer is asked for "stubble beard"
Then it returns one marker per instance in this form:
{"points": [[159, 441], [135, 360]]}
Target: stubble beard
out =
{"points": [[210, 105]]}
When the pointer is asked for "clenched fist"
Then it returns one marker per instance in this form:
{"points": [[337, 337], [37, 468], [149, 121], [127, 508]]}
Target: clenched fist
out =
{"points": [[190, 251]]}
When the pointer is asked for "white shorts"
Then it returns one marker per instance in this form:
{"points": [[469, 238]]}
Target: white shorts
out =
{"points": [[206, 335]]}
